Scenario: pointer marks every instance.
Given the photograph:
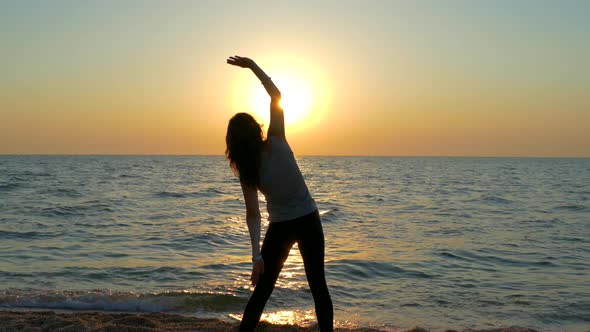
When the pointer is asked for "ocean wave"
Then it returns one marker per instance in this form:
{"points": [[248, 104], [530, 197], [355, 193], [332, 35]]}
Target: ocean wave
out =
{"points": [[577, 310], [491, 260], [62, 211], [334, 213], [362, 270], [542, 221], [571, 239], [166, 215], [327, 211], [107, 300], [122, 275], [125, 176], [211, 192], [61, 192], [8, 186], [89, 208], [494, 199], [170, 194], [572, 207], [34, 174], [31, 235]]}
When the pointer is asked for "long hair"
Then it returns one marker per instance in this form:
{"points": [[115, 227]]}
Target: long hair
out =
{"points": [[243, 145]]}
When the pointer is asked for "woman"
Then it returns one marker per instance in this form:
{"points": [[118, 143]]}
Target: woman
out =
{"points": [[269, 166]]}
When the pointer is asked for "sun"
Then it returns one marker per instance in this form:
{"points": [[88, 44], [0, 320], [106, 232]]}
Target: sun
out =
{"points": [[297, 101], [303, 96]]}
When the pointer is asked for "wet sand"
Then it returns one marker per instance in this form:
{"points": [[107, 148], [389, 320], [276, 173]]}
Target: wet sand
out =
{"points": [[151, 322]]}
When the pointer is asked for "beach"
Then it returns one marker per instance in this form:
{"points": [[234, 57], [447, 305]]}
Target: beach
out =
{"points": [[148, 322], [130, 322]]}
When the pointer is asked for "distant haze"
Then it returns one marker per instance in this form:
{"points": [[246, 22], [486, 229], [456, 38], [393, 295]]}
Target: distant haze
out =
{"points": [[443, 78]]}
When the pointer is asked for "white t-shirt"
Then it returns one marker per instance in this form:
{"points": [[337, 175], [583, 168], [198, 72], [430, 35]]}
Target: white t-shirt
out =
{"points": [[281, 182]]}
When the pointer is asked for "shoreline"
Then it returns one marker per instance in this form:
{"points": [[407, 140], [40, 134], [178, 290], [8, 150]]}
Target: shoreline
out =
{"points": [[51, 320], [24, 319]]}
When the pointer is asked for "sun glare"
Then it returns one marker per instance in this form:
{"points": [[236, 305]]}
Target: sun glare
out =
{"points": [[304, 96]]}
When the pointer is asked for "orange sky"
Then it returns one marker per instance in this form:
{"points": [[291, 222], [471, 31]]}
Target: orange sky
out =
{"points": [[387, 77]]}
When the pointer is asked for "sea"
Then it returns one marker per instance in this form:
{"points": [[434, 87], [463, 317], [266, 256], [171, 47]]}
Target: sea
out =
{"points": [[436, 242]]}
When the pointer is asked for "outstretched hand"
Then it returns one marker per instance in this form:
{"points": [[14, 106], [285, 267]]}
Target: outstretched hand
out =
{"points": [[240, 61]]}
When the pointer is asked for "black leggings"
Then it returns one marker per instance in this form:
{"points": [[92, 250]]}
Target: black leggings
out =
{"points": [[280, 237]]}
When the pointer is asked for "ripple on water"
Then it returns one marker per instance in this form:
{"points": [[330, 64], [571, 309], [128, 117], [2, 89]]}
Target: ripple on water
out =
{"points": [[6, 187], [363, 270], [207, 193], [572, 207], [180, 301], [30, 235]]}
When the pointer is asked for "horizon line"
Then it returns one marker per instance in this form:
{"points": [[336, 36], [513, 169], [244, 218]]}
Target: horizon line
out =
{"points": [[301, 155]]}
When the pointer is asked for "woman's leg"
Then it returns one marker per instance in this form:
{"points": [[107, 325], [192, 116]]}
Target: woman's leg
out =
{"points": [[311, 246], [275, 250]]}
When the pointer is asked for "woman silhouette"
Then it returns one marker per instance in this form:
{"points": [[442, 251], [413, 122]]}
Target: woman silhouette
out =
{"points": [[270, 166]]}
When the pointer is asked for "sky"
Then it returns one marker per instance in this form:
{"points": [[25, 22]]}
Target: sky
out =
{"points": [[393, 78]]}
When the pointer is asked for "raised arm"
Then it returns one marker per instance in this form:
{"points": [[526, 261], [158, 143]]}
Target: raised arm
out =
{"points": [[277, 118]]}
